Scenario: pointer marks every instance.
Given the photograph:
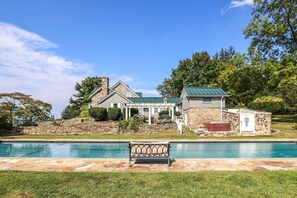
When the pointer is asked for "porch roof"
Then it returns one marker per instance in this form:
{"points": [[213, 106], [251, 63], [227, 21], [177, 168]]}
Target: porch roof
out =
{"points": [[153, 100]]}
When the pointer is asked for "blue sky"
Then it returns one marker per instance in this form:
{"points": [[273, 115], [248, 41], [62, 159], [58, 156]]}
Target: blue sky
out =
{"points": [[46, 46]]}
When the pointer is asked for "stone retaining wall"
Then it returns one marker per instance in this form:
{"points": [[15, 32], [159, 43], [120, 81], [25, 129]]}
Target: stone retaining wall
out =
{"points": [[88, 126], [198, 116]]}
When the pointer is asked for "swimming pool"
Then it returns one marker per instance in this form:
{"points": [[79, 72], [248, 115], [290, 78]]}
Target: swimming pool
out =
{"points": [[120, 150]]}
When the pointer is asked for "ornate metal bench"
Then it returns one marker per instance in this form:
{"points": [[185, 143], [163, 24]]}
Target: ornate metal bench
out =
{"points": [[149, 150]]}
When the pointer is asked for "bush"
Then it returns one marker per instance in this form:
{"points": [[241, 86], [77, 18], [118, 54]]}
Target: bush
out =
{"points": [[70, 112], [84, 112], [4, 124], [134, 111], [268, 103], [98, 113], [114, 113], [165, 117], [132, 124], [178, 113], [164, 121], [164, 112]]}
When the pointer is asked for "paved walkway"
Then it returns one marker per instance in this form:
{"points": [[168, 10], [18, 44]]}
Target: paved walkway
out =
{"points": [[121, 165]]}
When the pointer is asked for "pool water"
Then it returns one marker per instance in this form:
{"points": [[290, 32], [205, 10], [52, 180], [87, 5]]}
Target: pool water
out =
{"points": [[120, 150]]}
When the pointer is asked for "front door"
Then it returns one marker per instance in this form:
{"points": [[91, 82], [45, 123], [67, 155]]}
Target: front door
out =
{"points": [[247, 122]]}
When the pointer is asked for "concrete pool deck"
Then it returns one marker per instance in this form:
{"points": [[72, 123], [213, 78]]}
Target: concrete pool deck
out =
{"points": [[121, 165]]}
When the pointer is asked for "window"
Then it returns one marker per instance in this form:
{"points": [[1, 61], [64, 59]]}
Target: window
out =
{"points": [[115, 105], [206, 100], [128, 94], [145, 109], [156, 110]]}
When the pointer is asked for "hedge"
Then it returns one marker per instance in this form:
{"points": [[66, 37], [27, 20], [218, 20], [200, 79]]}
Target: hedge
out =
{"points": [[114, 113], [166, 112], [268, 103], [98, 113]]}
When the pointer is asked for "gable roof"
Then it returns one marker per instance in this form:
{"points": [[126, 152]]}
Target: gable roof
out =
{"points": [[205, 91], [153, 100], [111, 94], [121, 82], [96, 90]]}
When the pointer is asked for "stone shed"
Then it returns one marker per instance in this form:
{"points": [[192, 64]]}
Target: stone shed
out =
{"points": [[248, 122]]}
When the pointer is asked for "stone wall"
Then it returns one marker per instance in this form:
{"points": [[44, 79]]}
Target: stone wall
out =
{"points": [[263, 124], [233, 119], [77, 126], [198, 116], [262, 121], [98, 96]]}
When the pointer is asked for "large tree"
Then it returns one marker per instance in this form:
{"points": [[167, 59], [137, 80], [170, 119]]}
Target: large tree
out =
{"points": [[83, 91], [22, 107], [200, 70], [273, 28]]}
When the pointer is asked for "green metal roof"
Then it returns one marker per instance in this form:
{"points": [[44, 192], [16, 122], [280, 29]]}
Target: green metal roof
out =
{"points": [[139, 94], [205, 91], [153, 100]]}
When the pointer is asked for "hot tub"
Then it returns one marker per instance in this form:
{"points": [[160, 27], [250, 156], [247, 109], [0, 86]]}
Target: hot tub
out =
{"points": [[217, 126]]}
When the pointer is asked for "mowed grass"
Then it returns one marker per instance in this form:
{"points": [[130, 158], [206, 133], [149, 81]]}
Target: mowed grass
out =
{"points": [[281, 124], [195, 184]]}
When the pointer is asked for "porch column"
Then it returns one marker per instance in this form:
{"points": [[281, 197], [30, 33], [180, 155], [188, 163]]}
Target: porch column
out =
{"points": [[150, 115], [129, 113], [172, 112], [126, 112]]}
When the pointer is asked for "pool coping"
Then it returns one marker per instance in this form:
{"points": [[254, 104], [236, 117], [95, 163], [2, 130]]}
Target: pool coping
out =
{"points": [[121, 165], [150, 140]]}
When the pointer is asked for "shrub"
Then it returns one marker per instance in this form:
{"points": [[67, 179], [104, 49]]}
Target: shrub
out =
{"points": [[132, 124], [4, 124], [178, 113], [134, 111], [114, 113], [165, 117], [84, 112], [164, 121], [70, 112], [267, 103], [164, 112], [98, 113]]}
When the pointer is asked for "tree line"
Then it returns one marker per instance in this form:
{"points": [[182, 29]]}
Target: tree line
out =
{"points": [[267, 73]]}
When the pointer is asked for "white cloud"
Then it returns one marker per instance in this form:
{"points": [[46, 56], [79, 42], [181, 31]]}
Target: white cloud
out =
{"points": [[28, 66], [236, 4], [239, 3]]}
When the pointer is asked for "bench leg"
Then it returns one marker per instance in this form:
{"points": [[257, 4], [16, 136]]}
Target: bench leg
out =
{"points": [[168, 162], [129, 162]]}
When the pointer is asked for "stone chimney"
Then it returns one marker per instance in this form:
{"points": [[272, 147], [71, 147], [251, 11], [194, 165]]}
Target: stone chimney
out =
{"points": [[105, 86]]}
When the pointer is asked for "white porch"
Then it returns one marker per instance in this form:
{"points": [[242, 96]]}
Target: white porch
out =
{"points": [[150, 107]]}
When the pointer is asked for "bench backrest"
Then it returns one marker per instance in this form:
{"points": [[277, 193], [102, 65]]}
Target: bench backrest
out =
{"points": [[149, 149]]}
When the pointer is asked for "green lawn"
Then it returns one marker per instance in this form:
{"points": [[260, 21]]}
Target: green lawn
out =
{"points": [[281, 123], [202, 184]]}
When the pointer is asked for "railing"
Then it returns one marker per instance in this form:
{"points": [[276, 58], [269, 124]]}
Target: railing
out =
{"points": [[179, 125]]}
